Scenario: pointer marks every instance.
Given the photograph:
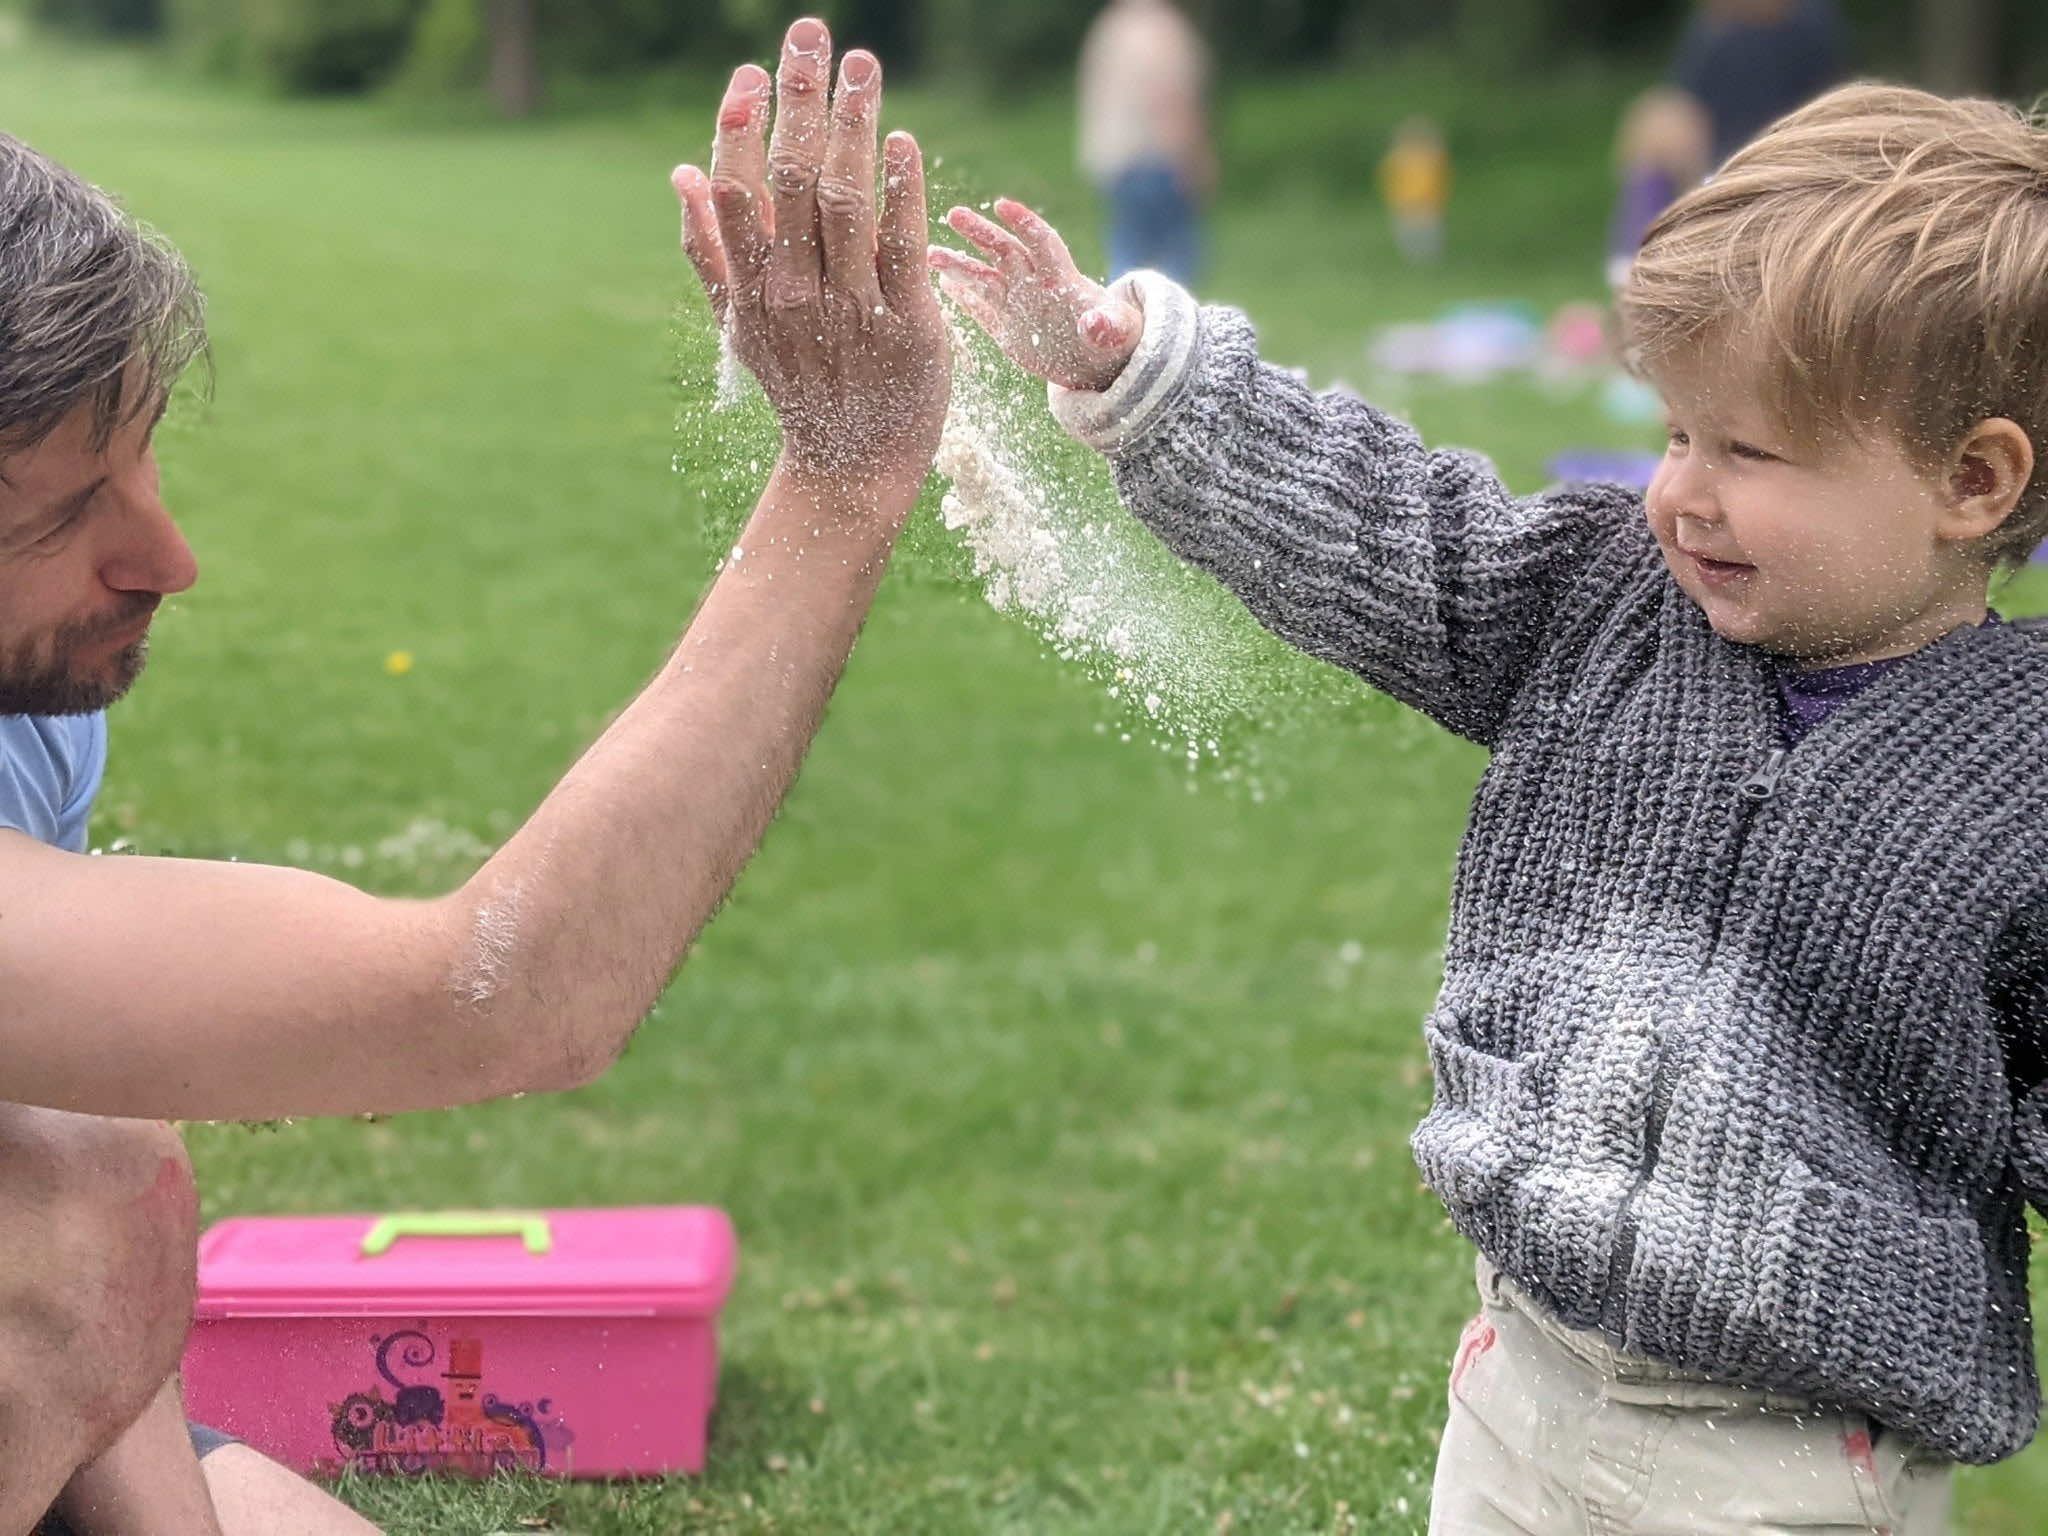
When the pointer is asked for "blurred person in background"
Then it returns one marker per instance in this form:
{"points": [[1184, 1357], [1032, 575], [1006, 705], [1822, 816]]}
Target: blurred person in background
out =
{"points": [[1660, 152], [1415, 180], [1144, 133], [1749, 62]]}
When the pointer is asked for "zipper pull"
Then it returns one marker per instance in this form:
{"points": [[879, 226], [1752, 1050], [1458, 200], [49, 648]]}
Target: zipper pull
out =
{"points": [[1758, 785]]}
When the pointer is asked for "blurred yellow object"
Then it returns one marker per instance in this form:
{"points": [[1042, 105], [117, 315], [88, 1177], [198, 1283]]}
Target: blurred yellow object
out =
{"points": [[1415, 175], [398, 663]]}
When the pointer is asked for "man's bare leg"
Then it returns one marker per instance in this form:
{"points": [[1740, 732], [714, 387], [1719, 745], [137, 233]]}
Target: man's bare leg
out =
{"points": [[95, 1291], [153, 1480], [146, 1481], [256, 1497]]}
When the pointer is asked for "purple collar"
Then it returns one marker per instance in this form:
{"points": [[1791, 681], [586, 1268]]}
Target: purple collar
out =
{"points": [[1807, 698]]}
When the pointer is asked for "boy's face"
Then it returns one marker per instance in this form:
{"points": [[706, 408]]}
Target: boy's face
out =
{"points": [[1829, 555]]}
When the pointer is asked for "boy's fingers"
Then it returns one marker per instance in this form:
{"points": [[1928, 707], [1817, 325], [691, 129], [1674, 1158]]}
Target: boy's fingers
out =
{"points": [[951, 263], [700, 235], [993, 241], [976, 302], [739, 187], [846, 189], [794, 154], [1111, 327], [900, 242], [1039, 237]]}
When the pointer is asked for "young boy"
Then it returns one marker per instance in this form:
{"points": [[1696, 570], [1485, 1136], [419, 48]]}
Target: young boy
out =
{"points": [[1744, 1023]]}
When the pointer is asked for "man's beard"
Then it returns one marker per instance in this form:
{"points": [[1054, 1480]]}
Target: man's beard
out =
{"points": [[55, 686]]}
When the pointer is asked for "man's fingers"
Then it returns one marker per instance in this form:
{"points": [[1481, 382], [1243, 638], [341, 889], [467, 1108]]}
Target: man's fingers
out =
{"points": [[700, 235], [1039, 237], [794, 156], [846, 188], [739, 178], [993, 241], [900, 242]]}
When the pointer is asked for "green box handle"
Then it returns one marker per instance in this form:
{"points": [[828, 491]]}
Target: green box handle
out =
{"points": [[530, 1228]]}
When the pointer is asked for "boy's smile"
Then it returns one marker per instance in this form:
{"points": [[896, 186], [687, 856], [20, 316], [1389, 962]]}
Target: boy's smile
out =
{"points": [[1717, 573]]}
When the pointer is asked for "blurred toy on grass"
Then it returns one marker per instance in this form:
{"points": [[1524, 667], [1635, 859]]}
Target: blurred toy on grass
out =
{"points": [[1415, 180]]}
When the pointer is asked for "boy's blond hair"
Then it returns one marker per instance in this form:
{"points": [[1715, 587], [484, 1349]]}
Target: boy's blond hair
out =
{"points": [[1879, 261]]}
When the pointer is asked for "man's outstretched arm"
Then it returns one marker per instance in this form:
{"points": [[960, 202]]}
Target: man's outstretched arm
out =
{"points": [[183, 988], [200, 990]]}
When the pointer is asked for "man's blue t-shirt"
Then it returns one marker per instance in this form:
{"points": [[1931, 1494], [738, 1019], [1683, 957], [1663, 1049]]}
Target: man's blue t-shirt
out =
{"points": [[50, 767]]}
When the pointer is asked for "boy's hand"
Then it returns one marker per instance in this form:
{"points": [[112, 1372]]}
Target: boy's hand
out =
{"points": [[830, 308], [1047, 317]]}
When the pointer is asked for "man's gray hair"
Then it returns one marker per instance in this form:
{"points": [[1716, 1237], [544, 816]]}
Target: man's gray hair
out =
{"points": [[96, 309]]}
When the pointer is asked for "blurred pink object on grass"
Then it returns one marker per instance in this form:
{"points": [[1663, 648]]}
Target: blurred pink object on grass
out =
{"points": [[577, 1343]]}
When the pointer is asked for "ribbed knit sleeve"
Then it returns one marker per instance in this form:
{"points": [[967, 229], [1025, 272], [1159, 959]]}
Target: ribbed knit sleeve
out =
{"points": [[1330, 520], [2018, 987]]}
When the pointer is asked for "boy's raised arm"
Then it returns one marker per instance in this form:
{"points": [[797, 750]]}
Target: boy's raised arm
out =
{"points": [[1329, 519]]}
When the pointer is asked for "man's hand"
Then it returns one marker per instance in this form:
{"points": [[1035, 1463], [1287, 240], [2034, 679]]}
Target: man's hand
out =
{"points": [[1031, 299], [831, 310]]}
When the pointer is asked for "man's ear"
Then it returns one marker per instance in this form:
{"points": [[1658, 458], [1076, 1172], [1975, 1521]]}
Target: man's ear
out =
{"points": [[1986, 475]]}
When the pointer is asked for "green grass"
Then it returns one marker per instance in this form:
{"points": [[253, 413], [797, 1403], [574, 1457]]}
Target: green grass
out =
{"points": [[1060, 1100]]}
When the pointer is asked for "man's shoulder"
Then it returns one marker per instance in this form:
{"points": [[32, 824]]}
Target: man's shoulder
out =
{"points": [[52, 743], [50, 767]]}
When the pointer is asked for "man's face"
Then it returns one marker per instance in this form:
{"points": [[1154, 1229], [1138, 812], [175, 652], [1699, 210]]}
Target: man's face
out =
{"points": [[87, 551]]}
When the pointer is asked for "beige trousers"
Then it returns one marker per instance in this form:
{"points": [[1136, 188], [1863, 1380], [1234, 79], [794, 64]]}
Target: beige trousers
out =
{"points": [[1553, 1431]]}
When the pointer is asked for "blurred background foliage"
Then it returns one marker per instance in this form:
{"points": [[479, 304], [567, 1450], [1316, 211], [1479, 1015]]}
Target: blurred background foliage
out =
{"points": [[510, 46]]}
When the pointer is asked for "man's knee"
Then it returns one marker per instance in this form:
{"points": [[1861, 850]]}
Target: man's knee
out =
{"points": [[98, 1293]]}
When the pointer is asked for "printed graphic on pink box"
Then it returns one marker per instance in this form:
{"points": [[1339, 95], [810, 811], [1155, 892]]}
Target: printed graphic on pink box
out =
{"points": [[419, 1428]]}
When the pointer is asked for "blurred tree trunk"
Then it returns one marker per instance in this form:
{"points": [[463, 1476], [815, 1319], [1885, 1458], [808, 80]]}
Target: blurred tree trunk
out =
{"points": [[1958, 44], [515, 66], [1502, 39]]}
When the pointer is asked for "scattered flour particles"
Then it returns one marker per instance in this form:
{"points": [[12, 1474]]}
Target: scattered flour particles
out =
{"points": [[732, 373], [1039, 523], [1048, 551]]}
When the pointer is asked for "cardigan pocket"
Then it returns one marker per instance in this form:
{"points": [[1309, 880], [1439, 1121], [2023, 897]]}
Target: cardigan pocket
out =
{"points": [[1871, 1302], [1477, 1133]]}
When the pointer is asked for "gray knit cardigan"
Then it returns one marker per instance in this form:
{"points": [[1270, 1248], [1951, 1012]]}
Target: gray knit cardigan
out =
{"points": [[1738, 1052]]}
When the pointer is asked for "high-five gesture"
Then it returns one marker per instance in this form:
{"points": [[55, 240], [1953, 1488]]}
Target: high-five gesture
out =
{"points": [[829, 306], [1033, 301]]}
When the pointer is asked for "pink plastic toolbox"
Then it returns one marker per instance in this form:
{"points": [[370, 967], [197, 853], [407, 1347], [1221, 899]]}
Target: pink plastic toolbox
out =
{"points": [[577, 1343]]}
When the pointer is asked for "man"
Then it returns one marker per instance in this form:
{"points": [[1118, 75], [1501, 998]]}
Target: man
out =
{"points": [[139, 988], [1144, 133]]}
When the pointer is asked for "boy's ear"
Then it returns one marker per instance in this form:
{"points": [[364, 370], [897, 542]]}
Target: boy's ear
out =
{"points": [[1986, 476]]}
